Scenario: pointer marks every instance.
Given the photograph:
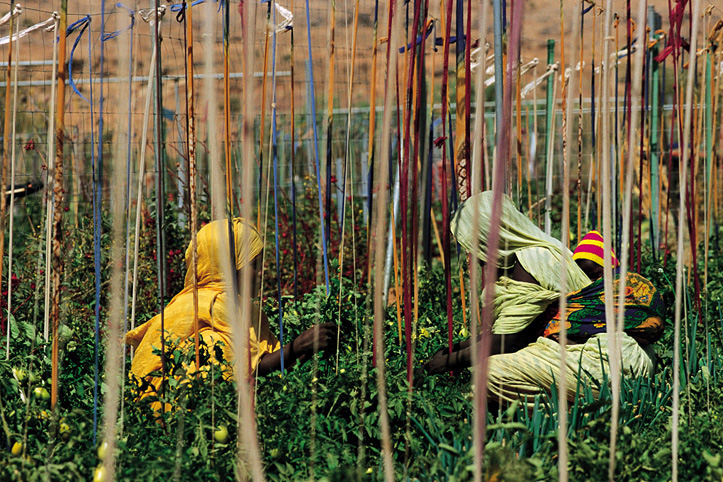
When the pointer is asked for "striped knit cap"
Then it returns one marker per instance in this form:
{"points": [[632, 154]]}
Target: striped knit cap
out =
{"points": [[591, 247]]}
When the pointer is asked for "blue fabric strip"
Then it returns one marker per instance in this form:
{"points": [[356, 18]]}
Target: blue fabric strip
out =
{"points": [[81, 25]]}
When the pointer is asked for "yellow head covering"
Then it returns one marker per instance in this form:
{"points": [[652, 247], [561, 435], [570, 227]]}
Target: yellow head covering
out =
{"points": [[213, 314], [213, 250]]}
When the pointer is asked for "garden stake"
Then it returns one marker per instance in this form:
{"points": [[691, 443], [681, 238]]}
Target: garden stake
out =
{"points": [[12, 183], [97, 169], [498, 45], [479, 400], [114, 348], [407, 238], [654, 146], [372, 123], [247, 451], [462, 88], [382, 202], [549, 133], [141, 173], [5, 321], [445, 196], [294, 246], [330, 117], [567, 96], [49, 202], [127, 199], [681, 220], [275, 159], [625, 255], [605, 180], [227, 113], [57, 228], [191, 146], [310, 70], [262, 120]]}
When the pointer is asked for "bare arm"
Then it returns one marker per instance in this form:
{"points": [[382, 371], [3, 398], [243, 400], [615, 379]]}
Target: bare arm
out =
{"points": [[461, 355], [300, 349]]}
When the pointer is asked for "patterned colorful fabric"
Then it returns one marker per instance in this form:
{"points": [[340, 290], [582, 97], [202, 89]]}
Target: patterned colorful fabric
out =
{"points": [[592, 247], [644, 311]]}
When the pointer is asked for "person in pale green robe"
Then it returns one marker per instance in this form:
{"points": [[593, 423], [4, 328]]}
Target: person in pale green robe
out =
{"points": [[526, 295]]}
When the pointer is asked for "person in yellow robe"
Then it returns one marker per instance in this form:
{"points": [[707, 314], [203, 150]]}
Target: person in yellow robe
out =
{"points": [[215, 307]]}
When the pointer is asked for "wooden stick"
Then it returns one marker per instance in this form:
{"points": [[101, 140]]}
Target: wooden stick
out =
{"points": [[57, 232], [12, 183], [7, 140]]}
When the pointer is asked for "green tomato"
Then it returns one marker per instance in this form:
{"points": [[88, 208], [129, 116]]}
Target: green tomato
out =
{"points": [[19, 374], [17, 449], [102, 450], [275, 453], [44, 394], [64, 430], [99, 474], [221, 434]]}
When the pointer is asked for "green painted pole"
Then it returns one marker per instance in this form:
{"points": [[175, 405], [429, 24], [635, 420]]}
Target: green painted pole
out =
{"points": [[549, 124]]}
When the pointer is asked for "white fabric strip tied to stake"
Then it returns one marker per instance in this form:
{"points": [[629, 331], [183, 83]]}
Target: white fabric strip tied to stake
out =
{"points": [[17, 10], [286, 23], [48, 25], [551, 68]]}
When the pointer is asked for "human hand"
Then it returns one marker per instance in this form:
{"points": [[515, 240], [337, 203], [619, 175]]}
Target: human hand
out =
{"points": [[303, 345], [438, 363]]}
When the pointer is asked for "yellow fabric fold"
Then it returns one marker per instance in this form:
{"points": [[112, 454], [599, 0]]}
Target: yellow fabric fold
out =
{"points": [[214, 318]]}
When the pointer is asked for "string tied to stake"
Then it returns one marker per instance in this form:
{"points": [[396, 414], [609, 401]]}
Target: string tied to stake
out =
{"points": [[131, 14], [48, 24], [17, 10], [180, 7], [149, 14]]}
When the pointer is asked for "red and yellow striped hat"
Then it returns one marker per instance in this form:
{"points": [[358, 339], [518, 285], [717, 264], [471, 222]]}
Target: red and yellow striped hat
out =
{"points": [[591, 247]]}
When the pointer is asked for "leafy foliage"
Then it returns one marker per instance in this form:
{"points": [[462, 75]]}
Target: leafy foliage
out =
{"points": [[321, 419]]}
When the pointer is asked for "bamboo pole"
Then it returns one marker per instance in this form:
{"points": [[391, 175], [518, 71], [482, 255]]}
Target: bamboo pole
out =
{"points": [[568, 95], [480, 351], [625, 254], [117, 302], [248, 451], [681, 247], [379, 238]]}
